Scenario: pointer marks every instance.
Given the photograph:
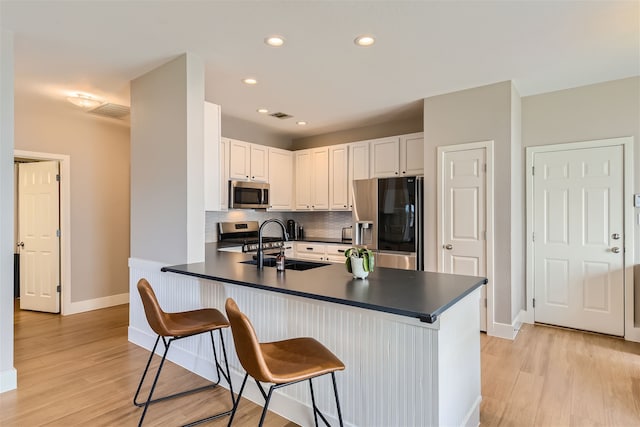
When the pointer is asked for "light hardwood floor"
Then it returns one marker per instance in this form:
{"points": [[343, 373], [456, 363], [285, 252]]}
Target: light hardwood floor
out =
{"points": [[81, 370]]}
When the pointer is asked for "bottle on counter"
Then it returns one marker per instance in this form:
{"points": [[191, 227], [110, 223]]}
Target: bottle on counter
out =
{"points": [[300, 232], [280, 260]]}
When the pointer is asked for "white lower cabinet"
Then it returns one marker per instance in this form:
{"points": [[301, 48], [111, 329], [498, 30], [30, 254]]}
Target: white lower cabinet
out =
{"points": [[320, 251]]}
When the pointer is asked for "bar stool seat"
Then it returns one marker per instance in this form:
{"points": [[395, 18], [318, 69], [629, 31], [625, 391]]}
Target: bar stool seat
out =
{"points": [[298, 359], [281, 362], [176, 326]]}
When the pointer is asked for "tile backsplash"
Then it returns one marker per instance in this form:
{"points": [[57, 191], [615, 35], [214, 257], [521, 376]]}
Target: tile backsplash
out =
{"points": [[316, 224]]}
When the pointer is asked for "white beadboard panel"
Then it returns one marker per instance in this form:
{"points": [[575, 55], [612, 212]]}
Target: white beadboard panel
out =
{"points": [[393, 363]]}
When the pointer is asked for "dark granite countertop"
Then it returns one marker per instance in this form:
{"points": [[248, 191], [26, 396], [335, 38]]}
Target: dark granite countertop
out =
{"points": [[420, 294]]}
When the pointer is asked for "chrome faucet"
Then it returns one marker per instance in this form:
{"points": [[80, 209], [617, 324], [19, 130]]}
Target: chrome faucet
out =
{"points": [[260, 254]]}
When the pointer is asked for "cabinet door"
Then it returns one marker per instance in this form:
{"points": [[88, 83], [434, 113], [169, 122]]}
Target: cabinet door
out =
{"points": [[412, 154], [303, 179], [311, 251], [320, 178], [224, 174], [385, 157], [281, 179], [211, 155], [338, 177], [335, 253], [239, 160], [358, 165], [259, 164]]}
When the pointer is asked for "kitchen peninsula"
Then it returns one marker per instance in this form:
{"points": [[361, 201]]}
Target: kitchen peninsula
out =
{"points": [[410, 340]]}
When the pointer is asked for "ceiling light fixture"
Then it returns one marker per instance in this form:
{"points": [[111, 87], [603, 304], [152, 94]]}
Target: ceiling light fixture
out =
{"points": [[250, 81], [301, 123], [274, 41], [84, 101], [262, 110], [364, 40]]}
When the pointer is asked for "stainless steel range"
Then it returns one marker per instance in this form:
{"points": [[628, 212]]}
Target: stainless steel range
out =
{"points": [[245, 234]]}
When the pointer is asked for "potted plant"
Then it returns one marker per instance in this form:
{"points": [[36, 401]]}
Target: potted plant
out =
{"points": [[359, 262]]}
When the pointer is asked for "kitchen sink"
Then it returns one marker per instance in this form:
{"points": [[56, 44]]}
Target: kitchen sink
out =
{"points": [[289, 264]]}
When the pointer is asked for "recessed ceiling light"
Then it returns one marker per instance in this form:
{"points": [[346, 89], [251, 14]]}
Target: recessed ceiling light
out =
{"points": [[274, 41], [250, 81], [262, 110], [364, 40], [301, 123]]}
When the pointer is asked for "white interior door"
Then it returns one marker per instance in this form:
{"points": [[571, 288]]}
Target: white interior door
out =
{"points": [[39, 218], [578, 239], [463, 247]]}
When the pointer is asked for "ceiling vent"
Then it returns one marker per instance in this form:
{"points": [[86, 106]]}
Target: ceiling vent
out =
{"points": [[281, 116], [108, 109]]}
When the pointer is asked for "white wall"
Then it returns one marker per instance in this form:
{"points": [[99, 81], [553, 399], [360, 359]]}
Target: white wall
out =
{"points": [[599, 111], [478, 114], [381, 130], [243, 130], [167, 142], [8, 374], [98, 148], [517, 207]]}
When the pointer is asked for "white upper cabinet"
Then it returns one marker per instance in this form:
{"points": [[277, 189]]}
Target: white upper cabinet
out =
{"points": [[312, 179], [339, 177], [303, 179], [281, 179], [248, 162], [211, 155], [224, 174], [385, 157], [358, 165], [320, 178], [397, 156], [259, 167], [412, 154]]}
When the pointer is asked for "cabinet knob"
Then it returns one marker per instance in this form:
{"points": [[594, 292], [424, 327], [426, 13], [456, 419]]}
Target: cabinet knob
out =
{"points": [[253, 177], [404, 171], [396, 173]]}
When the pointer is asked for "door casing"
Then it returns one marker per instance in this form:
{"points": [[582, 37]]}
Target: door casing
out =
{"points": [[631, 333]]}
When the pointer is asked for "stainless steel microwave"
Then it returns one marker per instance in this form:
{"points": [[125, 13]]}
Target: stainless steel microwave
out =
{"points": [[248, 195]]}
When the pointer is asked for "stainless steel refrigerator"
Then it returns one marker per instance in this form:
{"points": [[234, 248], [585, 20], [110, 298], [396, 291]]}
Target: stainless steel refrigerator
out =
{"points": [[388, 219]]}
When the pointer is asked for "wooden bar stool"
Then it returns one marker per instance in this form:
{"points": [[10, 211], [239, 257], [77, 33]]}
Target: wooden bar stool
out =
{"points": [[281, 362], [176, 326]]}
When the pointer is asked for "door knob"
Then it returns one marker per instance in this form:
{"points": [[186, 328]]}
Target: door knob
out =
{"points": [[448, 246], [615, 250], [615, 236]]}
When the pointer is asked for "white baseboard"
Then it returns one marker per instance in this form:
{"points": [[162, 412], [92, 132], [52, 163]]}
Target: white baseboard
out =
{"points": [[632, 334], [526, 316], [503, 330], [473, 414], [280, 404], [8, 380], [96, 304]]}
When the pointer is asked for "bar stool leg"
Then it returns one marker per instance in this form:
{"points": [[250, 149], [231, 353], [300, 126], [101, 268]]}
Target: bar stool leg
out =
{"points": [[266, 405], [235, 405], [144, 374], [313, 403], [155, 380], [335, 393]]}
